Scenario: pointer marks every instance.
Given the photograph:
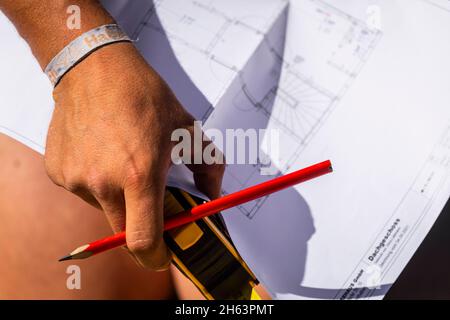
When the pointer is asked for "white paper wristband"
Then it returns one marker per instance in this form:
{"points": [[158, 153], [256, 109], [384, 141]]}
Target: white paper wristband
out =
{"points": [[81, 47]]}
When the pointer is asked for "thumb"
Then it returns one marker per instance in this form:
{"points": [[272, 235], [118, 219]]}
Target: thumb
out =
{"points": [[144, 221]]}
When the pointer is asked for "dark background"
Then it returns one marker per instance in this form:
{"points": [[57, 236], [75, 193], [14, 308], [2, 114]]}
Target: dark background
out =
{"points": [[427, 275]]}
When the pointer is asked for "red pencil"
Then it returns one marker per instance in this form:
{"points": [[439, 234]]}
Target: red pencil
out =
{"points": [[211, 207]]}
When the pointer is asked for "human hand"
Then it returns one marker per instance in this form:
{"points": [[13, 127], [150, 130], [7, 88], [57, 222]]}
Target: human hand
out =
{"points": [[109, 142]]}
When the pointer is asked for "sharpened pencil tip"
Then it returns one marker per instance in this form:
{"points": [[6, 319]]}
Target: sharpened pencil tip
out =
{"points": [[68, 257]]}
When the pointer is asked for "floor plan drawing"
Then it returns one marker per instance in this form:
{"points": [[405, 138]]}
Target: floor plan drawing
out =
{"points": [[339, 47], [296, 101]]}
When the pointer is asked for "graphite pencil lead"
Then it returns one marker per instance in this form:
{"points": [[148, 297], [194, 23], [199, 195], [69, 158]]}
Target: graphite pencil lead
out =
{"points": [[68, 257]]}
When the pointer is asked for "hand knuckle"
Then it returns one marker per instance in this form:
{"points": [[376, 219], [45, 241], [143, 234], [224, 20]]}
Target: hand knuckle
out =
{"points": [[135, 177], [139, 245], [98, 185]]}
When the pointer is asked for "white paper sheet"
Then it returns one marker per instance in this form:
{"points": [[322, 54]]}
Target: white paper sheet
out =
{"points": [[373, 100]]}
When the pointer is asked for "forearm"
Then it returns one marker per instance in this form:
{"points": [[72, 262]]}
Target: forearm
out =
{"points": [[43, 23]]}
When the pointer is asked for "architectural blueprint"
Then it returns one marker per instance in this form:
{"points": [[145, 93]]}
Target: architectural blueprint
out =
{"points": [[373, 98]]}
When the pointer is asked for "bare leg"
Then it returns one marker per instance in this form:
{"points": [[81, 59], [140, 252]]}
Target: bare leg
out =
{"points": [[40, 222], [185, 289]]}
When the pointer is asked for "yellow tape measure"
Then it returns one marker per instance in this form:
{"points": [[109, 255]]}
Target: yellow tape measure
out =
{"points": [[203, 252]]}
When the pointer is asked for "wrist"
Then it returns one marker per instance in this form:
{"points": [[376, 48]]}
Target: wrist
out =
{"points": [[102, 70], [82, 47]]}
